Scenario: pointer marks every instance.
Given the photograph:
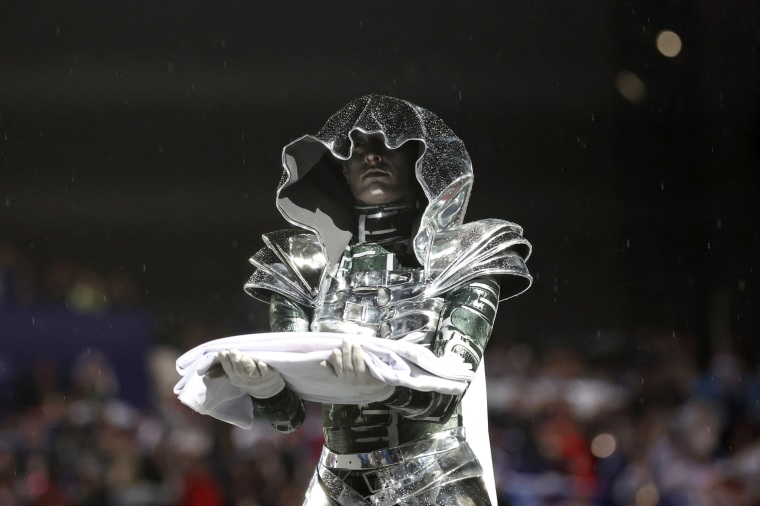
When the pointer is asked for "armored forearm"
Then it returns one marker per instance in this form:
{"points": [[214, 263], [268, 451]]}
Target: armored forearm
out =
{"points": [[285, 410], [464, 328]]}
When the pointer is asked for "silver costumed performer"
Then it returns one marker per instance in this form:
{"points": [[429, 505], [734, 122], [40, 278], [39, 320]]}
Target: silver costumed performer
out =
{"points": [[379, 196]]}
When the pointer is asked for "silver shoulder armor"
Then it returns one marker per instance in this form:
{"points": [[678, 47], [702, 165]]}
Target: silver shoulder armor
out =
{"points": [[487, 247], [291, 264]]}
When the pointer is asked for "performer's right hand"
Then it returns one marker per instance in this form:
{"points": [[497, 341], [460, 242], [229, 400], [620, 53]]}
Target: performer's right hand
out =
{"points": [[258, 379]]}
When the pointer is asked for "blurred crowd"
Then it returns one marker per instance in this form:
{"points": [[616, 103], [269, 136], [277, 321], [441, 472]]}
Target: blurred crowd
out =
{"points": [[640, 427], [85, 446], [652, 431]]}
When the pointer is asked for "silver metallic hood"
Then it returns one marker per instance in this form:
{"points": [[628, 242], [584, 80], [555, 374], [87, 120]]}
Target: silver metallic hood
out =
{"points": [[313, 194]]}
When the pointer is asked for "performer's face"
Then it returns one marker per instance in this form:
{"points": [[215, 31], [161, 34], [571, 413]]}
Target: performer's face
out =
{"points": [[377, 174]]}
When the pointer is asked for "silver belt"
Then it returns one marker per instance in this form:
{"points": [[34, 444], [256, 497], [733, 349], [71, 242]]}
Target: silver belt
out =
{"points": [[395, 474], [435, 443]]}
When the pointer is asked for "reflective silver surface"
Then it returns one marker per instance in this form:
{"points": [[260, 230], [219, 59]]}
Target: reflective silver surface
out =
{"points": [[387, 304], [486, 247], [301, 252], [292, 265], [433, 471]]}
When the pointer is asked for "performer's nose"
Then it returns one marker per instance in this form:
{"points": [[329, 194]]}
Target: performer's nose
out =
{"points": [[375, 151]]}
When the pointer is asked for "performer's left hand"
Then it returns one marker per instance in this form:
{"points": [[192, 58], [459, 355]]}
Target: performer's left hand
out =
{"points": [[348, 362]]}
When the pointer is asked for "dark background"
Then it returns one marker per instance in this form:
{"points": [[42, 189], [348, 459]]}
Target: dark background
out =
{"points": [[145, 137]]}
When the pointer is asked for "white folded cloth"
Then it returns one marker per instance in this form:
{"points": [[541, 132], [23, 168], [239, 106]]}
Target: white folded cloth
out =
{"points": [[296, 356]]}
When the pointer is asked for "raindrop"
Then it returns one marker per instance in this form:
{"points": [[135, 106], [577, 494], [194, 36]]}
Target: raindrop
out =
{"points": [[627, 243], [145, 268], [7, 202], [33, 323], [593, 117], [719, 224], [460, 95], [708, 245], [662, 185], [57, 30]]}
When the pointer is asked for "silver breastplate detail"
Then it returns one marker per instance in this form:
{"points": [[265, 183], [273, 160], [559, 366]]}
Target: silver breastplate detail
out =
{"points": [[385, 303]]}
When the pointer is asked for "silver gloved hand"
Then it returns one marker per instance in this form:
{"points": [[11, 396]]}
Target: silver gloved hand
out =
{"points": [[257, 378]]}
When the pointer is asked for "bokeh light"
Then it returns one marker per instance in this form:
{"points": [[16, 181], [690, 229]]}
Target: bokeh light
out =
{"points": [[669, 43], [603, 445], [631, 87], [647, 496]]}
